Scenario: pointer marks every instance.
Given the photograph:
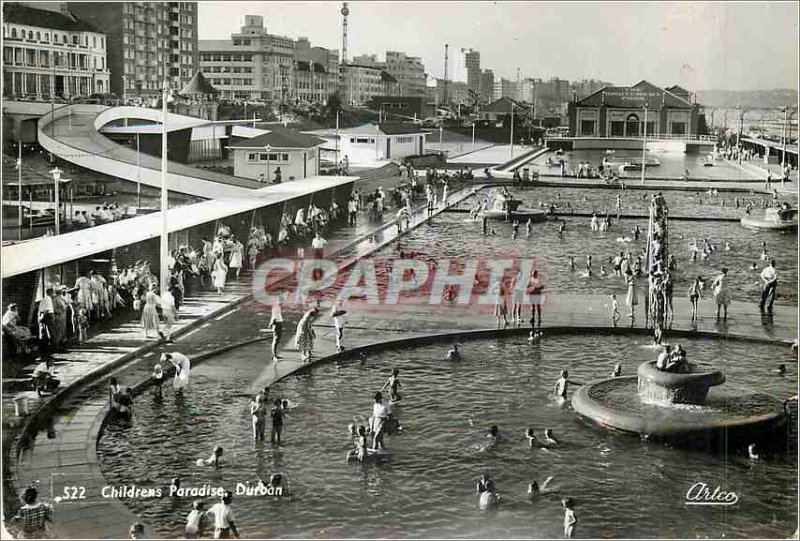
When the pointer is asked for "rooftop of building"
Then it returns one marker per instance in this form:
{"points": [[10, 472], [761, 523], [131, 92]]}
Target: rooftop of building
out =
{"points": [[504, 105], [21, 14], [385, 128], [637, 95], [281, 139], [199, 85]]}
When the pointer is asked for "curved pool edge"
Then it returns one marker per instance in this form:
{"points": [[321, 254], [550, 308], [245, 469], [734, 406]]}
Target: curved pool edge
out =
{"points": [[94, 434]]}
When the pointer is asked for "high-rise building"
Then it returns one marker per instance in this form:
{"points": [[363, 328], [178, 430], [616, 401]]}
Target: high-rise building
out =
{"points": [[252, 64], [361, 83], [468, 68], [51, 53], [487, 87], [316, 71], [408, 70], [147, 43], [503, 88]]}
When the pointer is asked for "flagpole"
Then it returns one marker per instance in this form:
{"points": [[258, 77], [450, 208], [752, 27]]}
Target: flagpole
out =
{"points": [[164, 251]]}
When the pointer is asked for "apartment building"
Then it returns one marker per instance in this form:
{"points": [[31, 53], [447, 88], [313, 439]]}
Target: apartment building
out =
{"points": [[148, 42], [49, 53], [253, 64]]}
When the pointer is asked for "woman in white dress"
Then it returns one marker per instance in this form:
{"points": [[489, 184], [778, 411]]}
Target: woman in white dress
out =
{"points": [[219, 274], [169, 312], [150, 314], [236, 256], [84, 286], [632, 299], [182, 368], [304, 335], [721, 294]]}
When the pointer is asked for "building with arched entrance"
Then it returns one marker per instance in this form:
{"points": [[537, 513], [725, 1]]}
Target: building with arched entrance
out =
{"points": [[615, 111]]}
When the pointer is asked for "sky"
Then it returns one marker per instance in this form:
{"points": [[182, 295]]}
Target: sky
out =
{"points": [[698, 45]]}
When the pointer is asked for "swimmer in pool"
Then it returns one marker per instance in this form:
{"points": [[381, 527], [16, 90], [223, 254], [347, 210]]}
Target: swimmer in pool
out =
{"points": [[617, 372], [488, 497], [781, 370], [562, 384], [494, 433], [534, 337], [549, 439], [360, 441], [535, 490], [531, 438], [571, 264], [752, 452], [569, 517], [213, 460], [393, 384], [453, 354], [603, 273]]}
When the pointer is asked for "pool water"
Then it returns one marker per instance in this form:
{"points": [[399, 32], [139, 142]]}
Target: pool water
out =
{"points": [[681, 203], [456, 237], [623, 487], [672, 164]]}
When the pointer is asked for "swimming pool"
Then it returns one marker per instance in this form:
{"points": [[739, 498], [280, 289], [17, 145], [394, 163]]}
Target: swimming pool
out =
{"points": [[672, 164], [455, 236], [623, 487], [634, 201]]}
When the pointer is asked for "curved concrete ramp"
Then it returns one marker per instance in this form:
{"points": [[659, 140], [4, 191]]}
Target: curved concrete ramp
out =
{"points": [[71, 133]]}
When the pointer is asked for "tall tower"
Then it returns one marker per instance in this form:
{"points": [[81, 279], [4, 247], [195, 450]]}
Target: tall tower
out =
{"points": [[345, 12]]}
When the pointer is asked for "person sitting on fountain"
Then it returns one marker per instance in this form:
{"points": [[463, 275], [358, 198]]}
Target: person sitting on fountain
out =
{"points": [[677, 362], [664, 358]]}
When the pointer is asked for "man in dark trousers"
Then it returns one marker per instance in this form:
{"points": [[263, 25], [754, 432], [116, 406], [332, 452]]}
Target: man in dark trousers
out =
{"points": [[769, 277]]}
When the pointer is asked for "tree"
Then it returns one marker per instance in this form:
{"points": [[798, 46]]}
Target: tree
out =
{"points": [[334, 105]]}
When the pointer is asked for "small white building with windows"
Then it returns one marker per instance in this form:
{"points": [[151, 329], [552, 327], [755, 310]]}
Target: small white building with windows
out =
{"points": [[296, 154], [370, 143]]}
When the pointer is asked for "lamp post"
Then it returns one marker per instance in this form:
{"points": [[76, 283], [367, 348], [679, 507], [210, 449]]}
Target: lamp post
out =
{"points": [[644, 142], [741, 128], [268, 148], [337, 143], [473, 134], [512, 128], [785, 136], [138, 177], [19, 190], [164, 245], [56, 172]]}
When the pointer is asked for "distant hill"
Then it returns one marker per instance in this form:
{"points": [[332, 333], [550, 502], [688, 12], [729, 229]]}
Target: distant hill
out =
{"points": [[750, 98]]}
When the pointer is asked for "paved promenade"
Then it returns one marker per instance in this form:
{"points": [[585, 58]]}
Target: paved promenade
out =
{"points": [[64, 449]]}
